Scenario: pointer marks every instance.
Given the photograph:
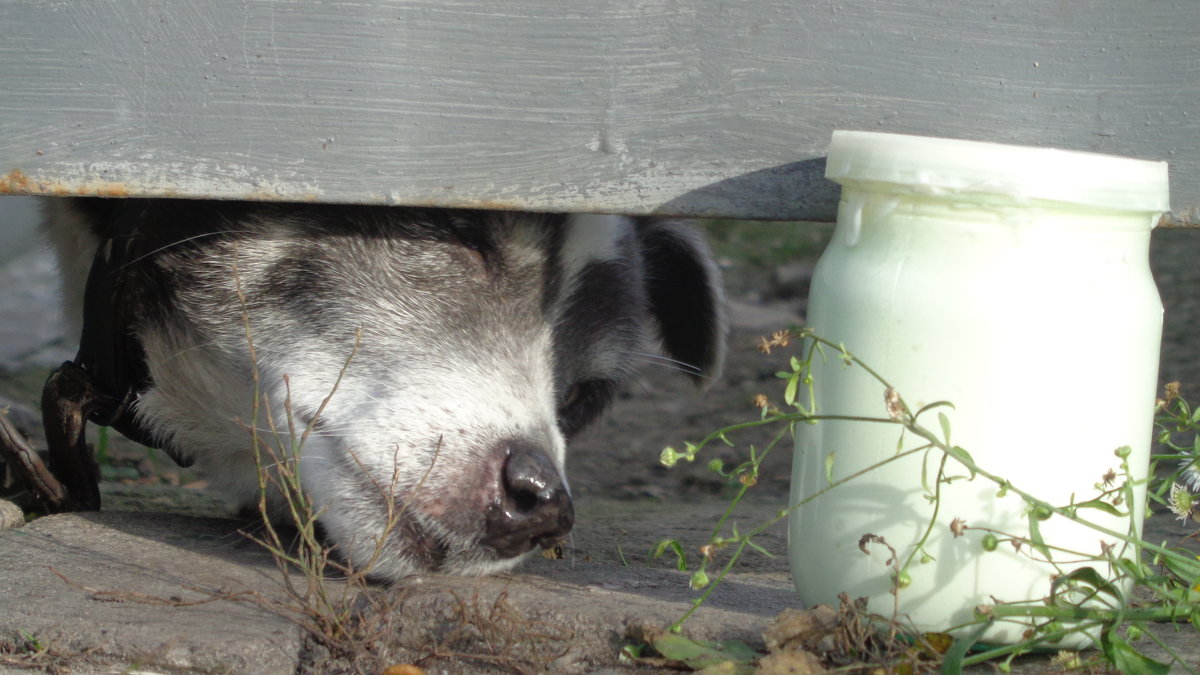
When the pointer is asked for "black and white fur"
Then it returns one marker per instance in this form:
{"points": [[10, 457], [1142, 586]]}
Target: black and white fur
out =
{"points": [[486, 340]]}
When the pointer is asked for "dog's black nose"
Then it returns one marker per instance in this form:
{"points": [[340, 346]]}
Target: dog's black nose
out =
{"points": [[533, 506]]}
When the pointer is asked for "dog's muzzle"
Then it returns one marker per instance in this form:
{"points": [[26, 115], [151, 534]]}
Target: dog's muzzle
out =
{"points": [[532, 507]]}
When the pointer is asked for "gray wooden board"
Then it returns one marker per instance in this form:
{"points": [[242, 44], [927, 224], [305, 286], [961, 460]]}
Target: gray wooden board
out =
{"points": [[697, 107]]}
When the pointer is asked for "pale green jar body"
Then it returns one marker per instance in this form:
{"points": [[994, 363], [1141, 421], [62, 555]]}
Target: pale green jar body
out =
{"points": [[1039, 320]]}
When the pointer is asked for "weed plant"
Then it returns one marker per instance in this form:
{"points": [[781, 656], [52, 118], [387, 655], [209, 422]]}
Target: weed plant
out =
{"points": [[1165, 578], [324, 594]]}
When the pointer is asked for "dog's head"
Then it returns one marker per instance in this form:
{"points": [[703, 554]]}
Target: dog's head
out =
{"points": [[430, 365]]}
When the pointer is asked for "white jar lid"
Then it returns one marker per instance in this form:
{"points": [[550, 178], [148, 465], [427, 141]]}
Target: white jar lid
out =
{"points": [[930, 165]]}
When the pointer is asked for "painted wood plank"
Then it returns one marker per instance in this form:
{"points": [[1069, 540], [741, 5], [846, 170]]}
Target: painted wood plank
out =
{"points": [[704, 107]]}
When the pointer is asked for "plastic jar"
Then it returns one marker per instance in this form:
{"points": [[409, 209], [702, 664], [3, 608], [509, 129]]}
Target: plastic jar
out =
{"points": [[1013, 282]]}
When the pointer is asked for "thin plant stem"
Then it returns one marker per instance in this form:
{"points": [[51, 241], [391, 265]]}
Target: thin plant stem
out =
{"points": [[784, 513], [1078, 588]]}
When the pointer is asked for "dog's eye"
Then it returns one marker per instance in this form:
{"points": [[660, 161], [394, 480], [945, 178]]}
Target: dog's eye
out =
{"points": [[581, 403], [474, 256], [571, 397], [473, 244]]}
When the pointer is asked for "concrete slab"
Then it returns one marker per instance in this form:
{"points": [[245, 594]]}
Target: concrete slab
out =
{"points": [[557, 616], [570, 615], [140, 557], [566, 615]]}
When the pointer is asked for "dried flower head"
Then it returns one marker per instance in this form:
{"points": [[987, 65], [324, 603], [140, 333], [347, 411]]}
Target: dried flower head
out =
{"points": [[1171, 392], [780, 338], [958, 526], [895, 406], [1109, 477], [764, 345], [1067, 660], [761, 401]]}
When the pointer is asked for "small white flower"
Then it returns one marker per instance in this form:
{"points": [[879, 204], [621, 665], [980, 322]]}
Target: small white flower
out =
{"points": [[1181, 502], [1191, 473]]}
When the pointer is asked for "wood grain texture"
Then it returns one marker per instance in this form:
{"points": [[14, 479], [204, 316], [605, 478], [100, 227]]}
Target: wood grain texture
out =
{"points": [[703, 107]]}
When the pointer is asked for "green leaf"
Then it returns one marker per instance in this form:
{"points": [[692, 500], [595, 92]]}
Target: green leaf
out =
{"points": [[952, 662], [1184, 564], [964, 458], [1035, 535], [631, 652], [760, 549], [931, 406], [1130, 661], [728, 668], [1102, 506], [945, 422], [698, 654], [845, 355], [929, 492], [1089, 577], [789, 392], [674, 546]]}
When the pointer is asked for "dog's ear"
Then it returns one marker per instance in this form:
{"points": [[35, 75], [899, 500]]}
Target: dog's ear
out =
{"points": [[687, 299]]}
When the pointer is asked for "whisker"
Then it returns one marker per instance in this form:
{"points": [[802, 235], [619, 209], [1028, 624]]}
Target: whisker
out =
{"points": [[180, 353], [666, 362], [164, 247]]}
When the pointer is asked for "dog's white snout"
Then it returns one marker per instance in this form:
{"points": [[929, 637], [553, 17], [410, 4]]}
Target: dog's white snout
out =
{"points": [[532, 505]]}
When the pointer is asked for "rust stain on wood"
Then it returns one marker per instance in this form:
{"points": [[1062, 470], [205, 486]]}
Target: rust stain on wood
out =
{"points": [[16, 182]]}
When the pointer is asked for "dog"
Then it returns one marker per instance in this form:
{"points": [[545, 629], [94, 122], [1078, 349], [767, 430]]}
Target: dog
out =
{"points": [[434, 362]]}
